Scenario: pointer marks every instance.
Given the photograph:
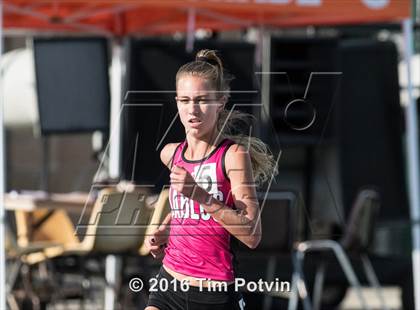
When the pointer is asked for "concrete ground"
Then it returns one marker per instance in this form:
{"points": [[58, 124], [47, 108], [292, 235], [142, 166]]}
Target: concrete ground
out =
{"points": [[392, 299]]}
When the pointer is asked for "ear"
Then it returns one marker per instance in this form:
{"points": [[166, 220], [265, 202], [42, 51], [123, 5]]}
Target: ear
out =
{"points": [[223, 100]]}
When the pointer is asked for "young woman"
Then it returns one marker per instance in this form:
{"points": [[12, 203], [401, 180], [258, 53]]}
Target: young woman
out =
{"points": [[212, 194]]}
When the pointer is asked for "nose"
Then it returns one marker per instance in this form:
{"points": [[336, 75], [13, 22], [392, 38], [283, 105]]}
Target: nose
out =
{"points": [[193, 108]]}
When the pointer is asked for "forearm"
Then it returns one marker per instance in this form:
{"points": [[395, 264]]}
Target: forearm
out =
{"points": [[236, 222], [166, 225], [161, 234], [167, 219]]}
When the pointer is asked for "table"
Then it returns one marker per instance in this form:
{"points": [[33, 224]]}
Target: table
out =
{"points": [[30, 201]]}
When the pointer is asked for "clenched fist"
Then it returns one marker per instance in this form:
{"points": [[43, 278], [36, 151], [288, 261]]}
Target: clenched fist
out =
{"points": [[182, 181], [157, 241]]}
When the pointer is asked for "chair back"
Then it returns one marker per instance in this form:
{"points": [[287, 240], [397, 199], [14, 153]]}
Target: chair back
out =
{"points": [[57, 227], [361, 223], [44, 225]]}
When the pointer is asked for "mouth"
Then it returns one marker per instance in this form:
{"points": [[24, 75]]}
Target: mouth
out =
{"points": [[194, 121]]}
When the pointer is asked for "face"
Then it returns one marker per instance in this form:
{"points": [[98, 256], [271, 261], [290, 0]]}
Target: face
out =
{"points": [[198, 105]]}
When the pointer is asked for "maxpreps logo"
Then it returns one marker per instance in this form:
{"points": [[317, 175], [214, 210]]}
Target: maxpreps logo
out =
{"points": [[376, 4], [372, 4]]}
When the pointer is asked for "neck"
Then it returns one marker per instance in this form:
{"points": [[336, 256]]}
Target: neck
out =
{"points": [[199, 147]]}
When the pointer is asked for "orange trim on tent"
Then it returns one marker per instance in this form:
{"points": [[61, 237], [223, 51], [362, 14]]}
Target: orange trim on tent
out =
{"points": [[121, 17]]}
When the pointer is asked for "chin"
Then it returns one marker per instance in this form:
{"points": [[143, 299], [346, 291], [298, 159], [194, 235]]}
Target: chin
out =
{"points": [[193, 132]]}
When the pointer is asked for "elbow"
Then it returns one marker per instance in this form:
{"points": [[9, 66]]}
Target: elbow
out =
{"points": [[254, 236], [254, 241]]}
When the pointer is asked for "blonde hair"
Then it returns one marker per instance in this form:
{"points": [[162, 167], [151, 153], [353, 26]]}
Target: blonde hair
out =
{"points": [[208, 66]]}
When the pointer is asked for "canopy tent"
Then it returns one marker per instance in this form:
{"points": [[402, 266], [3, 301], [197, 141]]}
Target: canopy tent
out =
{"points": [[124, 17]]}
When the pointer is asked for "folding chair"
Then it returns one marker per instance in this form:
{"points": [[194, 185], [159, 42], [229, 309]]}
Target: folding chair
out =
{"points": [[356, 241]]}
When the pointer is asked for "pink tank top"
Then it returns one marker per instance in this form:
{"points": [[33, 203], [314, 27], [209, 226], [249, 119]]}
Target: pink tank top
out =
{"points": [[198, 245]]}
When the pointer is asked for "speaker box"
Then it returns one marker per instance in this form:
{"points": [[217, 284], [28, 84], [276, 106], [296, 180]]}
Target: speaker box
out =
{"points": [[369, 125], [72, 84]]}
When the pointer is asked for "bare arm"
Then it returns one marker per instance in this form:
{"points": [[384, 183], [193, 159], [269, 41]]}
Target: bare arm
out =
{"points": [[166, 158], [167, 219], [244, 223], [157, 240], [167, 153]]}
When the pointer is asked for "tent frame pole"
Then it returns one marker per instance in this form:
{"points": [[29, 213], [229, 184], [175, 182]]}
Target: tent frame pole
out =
{"points": [[189, 42], [413, 160], [116, 109], [2, 181]]}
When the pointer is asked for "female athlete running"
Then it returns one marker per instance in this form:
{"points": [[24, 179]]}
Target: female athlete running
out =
{"points": [[213, 178]]}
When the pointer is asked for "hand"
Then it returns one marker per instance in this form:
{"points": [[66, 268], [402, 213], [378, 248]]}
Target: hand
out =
{"points": [[182, 181], [157, 241]]}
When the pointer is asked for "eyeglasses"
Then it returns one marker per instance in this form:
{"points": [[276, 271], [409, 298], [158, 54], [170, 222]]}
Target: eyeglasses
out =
{"points": [[196, 100]]}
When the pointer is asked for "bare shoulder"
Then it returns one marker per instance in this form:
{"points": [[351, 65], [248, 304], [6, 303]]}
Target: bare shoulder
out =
{"points": [[237, 159], [238, 168], [167, 153], [235, 151]]}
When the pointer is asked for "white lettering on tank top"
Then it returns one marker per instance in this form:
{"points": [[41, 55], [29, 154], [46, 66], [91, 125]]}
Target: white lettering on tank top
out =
{"points": [[206, 177]]}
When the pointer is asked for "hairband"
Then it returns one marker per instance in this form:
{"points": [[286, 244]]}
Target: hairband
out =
{"points": [[209, 61]]}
